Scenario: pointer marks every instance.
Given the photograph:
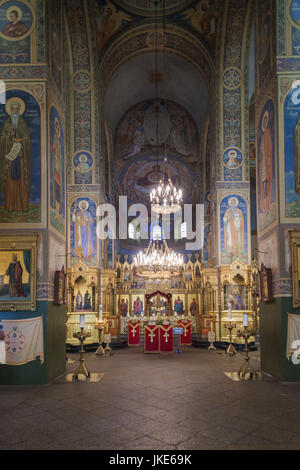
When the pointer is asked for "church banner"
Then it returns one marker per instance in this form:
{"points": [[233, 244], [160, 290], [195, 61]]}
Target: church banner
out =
{"points": [[166, 343], [186, 338], [152, 339], [24, 341], [293, 335], [134, 333]]}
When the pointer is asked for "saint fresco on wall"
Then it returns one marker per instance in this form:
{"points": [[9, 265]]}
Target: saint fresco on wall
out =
{"points": [[233, 160], [83, 231], [83, 164], [266, 167], [20, 159], [292, 153], [16, 25], [15, 20], [57, 172], [234, 229]]}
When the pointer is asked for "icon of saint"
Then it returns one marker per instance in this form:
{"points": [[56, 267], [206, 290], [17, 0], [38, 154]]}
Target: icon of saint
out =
{"points": [[15, 159], [15, 28]]}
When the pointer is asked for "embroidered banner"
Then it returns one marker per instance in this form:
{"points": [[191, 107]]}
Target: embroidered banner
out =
{"points": [[186, 338], [134, 333], [166, 343], [293, 334], [24, 340], [152, 339]]}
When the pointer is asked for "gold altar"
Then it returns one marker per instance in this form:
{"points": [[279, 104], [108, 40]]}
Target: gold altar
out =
{"points": [[199, 293], [83, 300]]}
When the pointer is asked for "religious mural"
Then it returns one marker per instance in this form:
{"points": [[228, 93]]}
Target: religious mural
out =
{"points": [[266, 169], [203, 18], [137, 169], [109, 21], [177, 132], [292, 153], [234, 229], [83, 231], [83, 165], [16, 24], [138, 179], [233, 160], [57, 173], [20, 159], [295, 21]]}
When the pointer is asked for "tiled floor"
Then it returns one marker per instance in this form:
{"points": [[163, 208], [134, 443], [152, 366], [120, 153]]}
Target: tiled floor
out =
{"points": [[153, 402]]}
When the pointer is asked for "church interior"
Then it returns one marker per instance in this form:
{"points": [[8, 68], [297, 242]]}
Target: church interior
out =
{"points": [[150, 224]]}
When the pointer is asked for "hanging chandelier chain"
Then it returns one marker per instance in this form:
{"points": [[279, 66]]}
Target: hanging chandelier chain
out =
{"points": [[165, 199]]}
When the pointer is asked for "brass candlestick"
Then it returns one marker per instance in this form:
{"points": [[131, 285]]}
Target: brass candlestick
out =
{"points": [[107, 339], [231, 351], [246, 372], [211, 339], [82, 369], [100, 327]]}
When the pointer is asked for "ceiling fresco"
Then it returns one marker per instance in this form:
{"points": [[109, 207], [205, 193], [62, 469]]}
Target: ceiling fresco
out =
{"points": [[156, 125], [139, 158], [113, 16]]}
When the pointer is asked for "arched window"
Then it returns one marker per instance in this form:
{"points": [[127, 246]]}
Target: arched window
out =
{"points": [[134, 230], [156, 233]]}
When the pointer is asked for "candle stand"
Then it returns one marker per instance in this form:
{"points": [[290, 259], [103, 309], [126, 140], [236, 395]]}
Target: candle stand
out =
{"points": [[82, 369], [107, 350], [246, 372], [100, 327], [211, 339], [231, 351]]}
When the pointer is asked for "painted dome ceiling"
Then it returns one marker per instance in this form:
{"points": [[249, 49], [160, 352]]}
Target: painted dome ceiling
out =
{"points": [[146, 7]]}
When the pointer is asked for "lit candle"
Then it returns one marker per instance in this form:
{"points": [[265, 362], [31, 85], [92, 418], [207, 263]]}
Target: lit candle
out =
{"points": [[246, 320], [82, 321]]}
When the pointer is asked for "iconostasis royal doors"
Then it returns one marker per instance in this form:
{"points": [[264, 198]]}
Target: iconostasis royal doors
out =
{"points": [[83, 302]]}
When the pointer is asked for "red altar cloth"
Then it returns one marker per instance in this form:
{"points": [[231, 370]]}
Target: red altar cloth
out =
{"points": [[152, 339], [134, 333], [186, 338], [166, 339]]}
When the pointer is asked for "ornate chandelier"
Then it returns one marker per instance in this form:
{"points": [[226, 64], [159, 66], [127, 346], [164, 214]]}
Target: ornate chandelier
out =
{"points": [[166, 199], [158, 261]]}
